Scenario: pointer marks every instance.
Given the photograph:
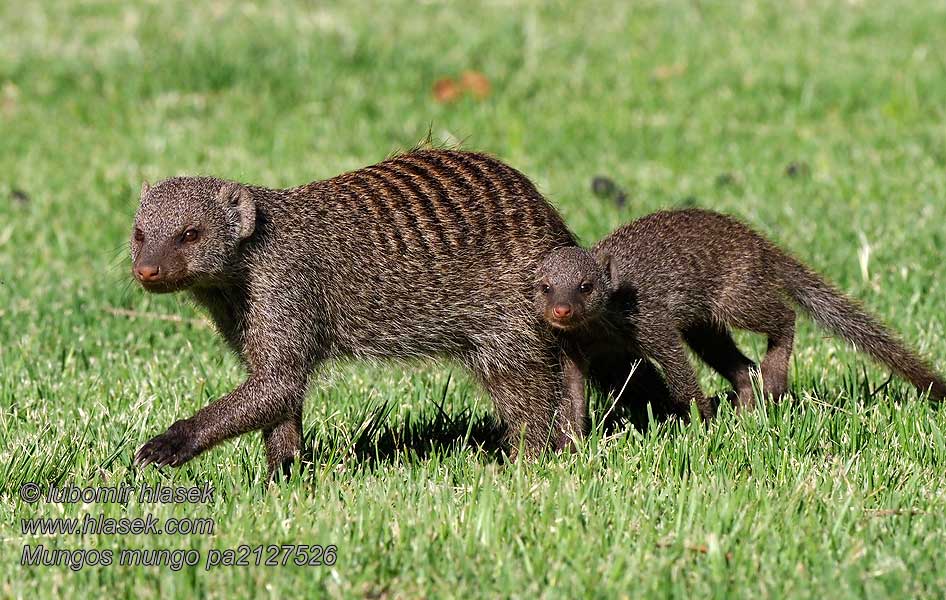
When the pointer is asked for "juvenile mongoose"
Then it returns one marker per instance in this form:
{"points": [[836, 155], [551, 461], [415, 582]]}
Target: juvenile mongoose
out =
{"points": [[574, 294], [430, 253], [687, 276]]}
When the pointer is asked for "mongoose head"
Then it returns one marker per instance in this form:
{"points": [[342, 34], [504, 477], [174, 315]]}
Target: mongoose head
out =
{"points": [[572, 287], [188, 232]]}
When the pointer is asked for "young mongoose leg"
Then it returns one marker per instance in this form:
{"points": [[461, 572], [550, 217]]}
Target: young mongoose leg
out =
{"points": [[660, 342], [775, 363], [775, 320], [629, 379], [574, 370], [715, 346], [648, 386], [283, 444], [632, 383]]}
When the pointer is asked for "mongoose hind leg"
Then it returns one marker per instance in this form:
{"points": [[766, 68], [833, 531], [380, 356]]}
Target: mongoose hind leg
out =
{"points": [[283, 444], [775, 320], [715, 346], [775, 363], [530, 401], [660, 342]]}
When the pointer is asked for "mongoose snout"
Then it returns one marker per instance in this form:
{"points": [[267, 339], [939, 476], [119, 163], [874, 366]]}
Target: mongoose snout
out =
{"points": [[572, 288], [562, 310], [189, 232], [147, 273]]}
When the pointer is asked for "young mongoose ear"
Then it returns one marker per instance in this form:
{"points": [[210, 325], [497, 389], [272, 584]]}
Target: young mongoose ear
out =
{"points": [[239, 199], [145, 188], [606, 264]]}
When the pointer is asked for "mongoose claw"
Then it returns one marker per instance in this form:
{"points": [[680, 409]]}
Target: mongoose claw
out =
{"points": [[173, 448]]}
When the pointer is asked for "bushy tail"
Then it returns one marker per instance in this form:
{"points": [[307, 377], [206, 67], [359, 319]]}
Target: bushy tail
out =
{"points": [[846, 318]]}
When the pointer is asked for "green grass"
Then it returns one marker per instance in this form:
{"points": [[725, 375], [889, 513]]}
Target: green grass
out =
{"points": [[838, 492]]}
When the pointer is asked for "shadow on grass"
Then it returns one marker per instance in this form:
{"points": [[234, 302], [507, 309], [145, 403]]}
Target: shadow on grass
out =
{"points": [[377, 441]]}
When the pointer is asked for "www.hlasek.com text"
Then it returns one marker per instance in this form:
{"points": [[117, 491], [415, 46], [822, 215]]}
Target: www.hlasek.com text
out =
{"points": [[102, 525]]}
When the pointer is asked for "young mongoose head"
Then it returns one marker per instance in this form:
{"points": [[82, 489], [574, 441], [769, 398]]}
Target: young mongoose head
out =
{"points": [[188, 231], [572, 287]]}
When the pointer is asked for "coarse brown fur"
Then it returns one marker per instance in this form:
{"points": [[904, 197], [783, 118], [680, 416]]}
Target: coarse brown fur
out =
{"points": [[428, 254], [687, 277]]}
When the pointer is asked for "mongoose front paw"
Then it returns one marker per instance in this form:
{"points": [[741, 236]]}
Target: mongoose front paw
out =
{"points": [[174, 447]]}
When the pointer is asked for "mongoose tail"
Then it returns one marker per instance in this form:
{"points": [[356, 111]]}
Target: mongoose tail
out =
{"points": [[847, 319]]}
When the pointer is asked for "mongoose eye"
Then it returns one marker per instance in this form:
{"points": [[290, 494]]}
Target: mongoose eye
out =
{"points": [[546, 288], [585, 288], [139, 235], [190, 235]]}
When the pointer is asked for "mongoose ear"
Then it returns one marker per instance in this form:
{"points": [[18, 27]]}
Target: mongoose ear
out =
{"points": [[606, 264], [145, 188], [237, 198]]}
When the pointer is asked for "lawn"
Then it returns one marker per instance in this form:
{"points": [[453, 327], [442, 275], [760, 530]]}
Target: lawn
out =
{"points": [[823, 124]]}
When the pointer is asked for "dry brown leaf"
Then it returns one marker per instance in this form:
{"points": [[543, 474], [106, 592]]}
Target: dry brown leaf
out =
{"points": [[446, 90], [476, 83]]}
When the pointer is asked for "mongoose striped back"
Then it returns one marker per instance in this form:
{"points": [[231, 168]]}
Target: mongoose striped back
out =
{"points": [[429, 253]]}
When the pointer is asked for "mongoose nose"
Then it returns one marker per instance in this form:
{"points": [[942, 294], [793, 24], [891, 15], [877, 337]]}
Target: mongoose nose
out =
{"points": [[148, 272], [562, 310]]}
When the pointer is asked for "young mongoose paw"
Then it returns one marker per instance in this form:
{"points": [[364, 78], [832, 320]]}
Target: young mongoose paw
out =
{"points": [[173, 448]]}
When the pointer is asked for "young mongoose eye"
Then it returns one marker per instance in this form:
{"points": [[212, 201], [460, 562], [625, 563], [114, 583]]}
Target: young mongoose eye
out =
{"points": [[190, 235], [545, 288], [139, 235], [585, 288]]}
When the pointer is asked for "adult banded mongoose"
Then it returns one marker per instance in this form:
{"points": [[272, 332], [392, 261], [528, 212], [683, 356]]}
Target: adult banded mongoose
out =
{"points": [[686, 277], [430, 253]]}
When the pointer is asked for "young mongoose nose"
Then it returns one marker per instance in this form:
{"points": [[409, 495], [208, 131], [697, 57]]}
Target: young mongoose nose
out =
{"points": [[562, 310], [148, 272]]}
